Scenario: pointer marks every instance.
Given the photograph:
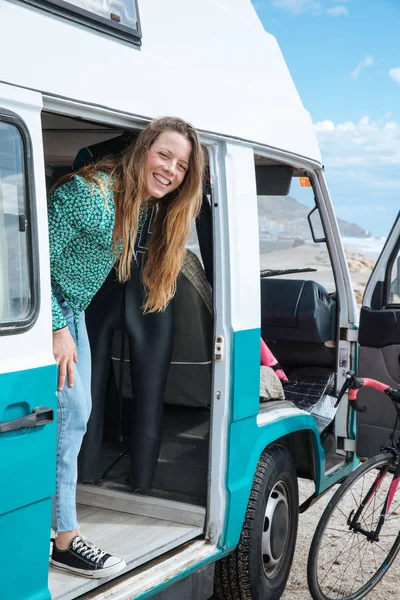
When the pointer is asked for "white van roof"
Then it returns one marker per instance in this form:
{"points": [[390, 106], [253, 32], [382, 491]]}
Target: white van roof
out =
{"points": [[208, 61]]}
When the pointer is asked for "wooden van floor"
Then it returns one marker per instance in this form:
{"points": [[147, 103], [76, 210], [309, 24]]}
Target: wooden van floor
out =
{"points": [[134, 538]]}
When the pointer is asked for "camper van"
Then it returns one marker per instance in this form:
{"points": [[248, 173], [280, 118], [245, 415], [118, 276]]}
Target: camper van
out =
{"points": [[78, 79]]}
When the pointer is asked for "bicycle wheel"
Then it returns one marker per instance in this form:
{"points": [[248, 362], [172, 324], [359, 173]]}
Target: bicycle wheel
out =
{"points": [[343, 563]]}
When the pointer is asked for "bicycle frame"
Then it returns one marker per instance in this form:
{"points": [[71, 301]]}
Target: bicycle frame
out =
{"points": [[354, 524], [354, 384]]}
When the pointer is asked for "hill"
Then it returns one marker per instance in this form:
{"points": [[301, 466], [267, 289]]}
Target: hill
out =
{"points": [[285, 216]]}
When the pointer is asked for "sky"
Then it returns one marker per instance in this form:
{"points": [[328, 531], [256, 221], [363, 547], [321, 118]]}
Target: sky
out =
{"points": [[344, 57]]}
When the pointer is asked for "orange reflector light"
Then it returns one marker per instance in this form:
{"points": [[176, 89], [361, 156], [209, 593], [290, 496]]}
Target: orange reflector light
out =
{"points": [[305, 182]]}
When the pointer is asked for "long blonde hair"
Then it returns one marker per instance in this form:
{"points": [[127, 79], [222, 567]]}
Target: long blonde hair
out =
{"points": [[175, 215]]}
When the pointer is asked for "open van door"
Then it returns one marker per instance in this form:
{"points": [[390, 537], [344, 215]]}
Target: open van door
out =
{"points": [[379, 352], [27, 371]]}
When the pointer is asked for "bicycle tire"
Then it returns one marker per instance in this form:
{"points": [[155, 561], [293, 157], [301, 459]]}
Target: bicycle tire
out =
{"points": [[349, 485]]}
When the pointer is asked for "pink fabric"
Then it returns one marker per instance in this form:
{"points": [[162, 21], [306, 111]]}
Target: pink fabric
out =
{"points": [[269, 360]]}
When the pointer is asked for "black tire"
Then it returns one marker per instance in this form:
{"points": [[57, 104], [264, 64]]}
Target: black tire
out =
{"points": [[360, 564], [259, 567]]}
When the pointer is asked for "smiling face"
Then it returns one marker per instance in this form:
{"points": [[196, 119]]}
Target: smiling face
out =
{"points": [[166, 164]]}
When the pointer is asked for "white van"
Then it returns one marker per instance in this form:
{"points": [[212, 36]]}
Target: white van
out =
{"points": [[76, 77]]}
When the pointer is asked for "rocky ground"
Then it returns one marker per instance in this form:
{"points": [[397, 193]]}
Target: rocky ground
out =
{"points": [[297, 588]]}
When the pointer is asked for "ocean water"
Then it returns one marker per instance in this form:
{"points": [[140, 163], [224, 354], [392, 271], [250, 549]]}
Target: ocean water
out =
{"points": [[370, 246]]}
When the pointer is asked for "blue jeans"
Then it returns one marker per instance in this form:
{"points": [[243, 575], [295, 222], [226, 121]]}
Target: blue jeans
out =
{"points": [[74, 406]]}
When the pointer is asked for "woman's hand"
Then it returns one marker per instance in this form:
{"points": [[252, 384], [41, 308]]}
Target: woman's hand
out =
{"points": [[65, 355]]}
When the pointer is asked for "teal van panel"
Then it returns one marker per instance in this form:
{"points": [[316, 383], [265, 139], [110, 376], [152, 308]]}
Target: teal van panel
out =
{"points": [[246, 439], [181, 575], [246, 443], [246, 373], [27, 479], [28, 456], [337, 475], [24, 552]]}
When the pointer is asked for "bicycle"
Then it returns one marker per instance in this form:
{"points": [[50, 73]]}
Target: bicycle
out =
{"points": [[362, 519]]}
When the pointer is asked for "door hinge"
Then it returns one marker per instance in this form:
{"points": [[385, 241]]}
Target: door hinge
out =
{"points": [[349, 445], [352, 335], [219, 348]]}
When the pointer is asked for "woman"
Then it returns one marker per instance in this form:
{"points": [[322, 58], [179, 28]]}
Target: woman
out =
{"points": [[94, 215]]}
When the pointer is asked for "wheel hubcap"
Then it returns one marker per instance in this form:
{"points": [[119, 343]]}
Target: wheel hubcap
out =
{"points": [[276, 529]]}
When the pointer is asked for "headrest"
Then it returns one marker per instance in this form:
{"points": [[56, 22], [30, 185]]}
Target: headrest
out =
{"points": [[112, 147]]}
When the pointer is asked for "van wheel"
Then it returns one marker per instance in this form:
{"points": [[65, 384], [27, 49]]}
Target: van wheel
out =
{"points": [[259, 567]]}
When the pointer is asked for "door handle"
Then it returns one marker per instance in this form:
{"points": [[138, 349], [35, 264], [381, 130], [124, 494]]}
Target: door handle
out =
{"points": [[42, 415]]}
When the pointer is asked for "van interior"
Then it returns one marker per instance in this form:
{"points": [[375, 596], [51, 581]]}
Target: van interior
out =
{"points": [[299, 309], [299, 324], [142, 526]]}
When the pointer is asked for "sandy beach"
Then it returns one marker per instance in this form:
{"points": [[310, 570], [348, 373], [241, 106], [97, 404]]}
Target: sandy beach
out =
{"points": [[297, 588], [315, 256]]}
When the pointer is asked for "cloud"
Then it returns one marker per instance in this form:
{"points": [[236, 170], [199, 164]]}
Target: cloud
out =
{"points": [[324, 126], [367, 62], [362, 160], [338, 11], [362, 143], [296, 7], [315, 7], [395, 74]]}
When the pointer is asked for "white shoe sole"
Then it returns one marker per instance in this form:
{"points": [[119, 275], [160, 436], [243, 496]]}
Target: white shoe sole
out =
{"points": [[100, 574]]}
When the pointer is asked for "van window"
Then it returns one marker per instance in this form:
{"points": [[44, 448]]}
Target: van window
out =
{"points": [[394, 278], [200, 240], [117, 17], [285, 236], [15, 281]]}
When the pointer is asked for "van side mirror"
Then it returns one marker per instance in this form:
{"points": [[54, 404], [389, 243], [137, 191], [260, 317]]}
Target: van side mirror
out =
{"points": [[273, 180], [317, 231]]}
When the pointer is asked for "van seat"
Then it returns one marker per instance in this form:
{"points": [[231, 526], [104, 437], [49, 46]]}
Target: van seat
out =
{"points": [[296, 310]]}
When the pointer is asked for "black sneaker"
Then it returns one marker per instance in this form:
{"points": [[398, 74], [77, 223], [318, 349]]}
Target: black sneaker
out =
{"points": [[83, 557]]}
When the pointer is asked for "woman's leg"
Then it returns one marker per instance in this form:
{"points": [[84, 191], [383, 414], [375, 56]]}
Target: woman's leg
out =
{"points": [[74, 406], [71, 551]]}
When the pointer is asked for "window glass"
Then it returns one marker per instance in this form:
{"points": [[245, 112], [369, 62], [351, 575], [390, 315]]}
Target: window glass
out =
{"points": [[118, 17], [192, 243], [285, 237], [120, 11], [394, 291], [203, 225], [15, 294]]}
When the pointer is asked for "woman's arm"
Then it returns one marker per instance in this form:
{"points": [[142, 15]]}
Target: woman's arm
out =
{"points": [[68, 214], [65, 355]]}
